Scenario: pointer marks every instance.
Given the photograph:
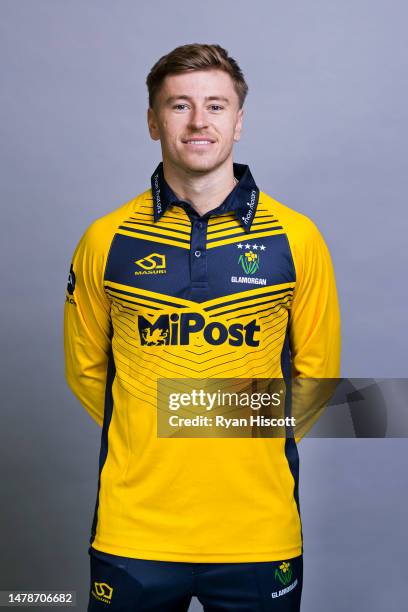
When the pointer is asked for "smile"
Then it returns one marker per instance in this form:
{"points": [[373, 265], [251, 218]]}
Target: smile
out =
{"points": [[198, 142]]}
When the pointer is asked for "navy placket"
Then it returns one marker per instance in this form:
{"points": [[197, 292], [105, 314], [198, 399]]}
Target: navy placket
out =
{"points": [[242, 200], [198, 255]]}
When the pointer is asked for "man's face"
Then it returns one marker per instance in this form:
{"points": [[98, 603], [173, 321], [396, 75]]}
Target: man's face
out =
{"points": [[197, 118]]}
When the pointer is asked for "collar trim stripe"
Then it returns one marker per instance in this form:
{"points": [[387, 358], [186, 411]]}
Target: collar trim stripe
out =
{"points": [[242, 200]]}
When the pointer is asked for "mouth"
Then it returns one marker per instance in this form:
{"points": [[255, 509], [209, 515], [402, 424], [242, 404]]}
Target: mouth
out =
{"points": [[198, 142]]}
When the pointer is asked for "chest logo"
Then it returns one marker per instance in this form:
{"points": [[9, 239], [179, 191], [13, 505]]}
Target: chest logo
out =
{"points": [[155, 263], [250, 261], [176, 329]]}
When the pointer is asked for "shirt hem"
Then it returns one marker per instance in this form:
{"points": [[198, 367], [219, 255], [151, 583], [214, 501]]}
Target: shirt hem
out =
{"points": [[199, 557]]}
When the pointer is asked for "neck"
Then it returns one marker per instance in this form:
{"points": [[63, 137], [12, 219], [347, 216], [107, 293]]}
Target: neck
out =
{"points": [[203, 191]]}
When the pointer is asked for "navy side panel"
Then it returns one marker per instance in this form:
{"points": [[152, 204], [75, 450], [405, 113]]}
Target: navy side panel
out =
{"points": [[111, 371], [291, 451]]}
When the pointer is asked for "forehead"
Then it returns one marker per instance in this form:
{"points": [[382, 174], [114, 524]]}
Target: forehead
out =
{"points": [[198, 84]]}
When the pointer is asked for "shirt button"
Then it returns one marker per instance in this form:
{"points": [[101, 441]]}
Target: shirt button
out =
{"points": [[199, 225], [197, 253]]}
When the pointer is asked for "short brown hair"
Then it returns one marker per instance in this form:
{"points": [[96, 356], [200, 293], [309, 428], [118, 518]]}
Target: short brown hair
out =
{"points": [[195, 57]]}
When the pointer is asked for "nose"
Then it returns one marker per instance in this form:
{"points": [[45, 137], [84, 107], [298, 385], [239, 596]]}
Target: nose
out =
{"points": [[198, 119]]}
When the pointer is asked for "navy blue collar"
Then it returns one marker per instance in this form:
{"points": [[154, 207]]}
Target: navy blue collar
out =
{"points": [[243, 199]]}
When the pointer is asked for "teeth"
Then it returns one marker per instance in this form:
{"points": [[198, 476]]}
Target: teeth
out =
{"points": [[198, 141]]}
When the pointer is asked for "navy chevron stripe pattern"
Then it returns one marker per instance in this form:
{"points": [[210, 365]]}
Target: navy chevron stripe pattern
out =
{"points": [[246, 298], [151, 234]]}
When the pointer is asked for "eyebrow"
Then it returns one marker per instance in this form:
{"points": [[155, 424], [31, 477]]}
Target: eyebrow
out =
{"points": [[172, 99]]}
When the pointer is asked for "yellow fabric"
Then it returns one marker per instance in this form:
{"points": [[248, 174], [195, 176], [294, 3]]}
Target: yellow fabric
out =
{"points": [[182, 499]]}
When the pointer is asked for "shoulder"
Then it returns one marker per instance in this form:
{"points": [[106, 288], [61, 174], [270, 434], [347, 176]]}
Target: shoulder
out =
{"points": [[299, 228], [100, 232], [307, 246]]}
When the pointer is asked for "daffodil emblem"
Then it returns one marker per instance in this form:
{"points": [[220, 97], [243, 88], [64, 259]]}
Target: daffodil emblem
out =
{"points": [[249, 262], [284, 573]]}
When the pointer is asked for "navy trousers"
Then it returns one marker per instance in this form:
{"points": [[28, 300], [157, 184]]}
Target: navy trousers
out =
{"points": [[123, 584]]}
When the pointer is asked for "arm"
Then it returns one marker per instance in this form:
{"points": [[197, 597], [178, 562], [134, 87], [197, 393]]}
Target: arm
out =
{"points": [[314, 332], [87, 326]]}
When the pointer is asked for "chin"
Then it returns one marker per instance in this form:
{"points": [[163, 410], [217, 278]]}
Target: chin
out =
{"points": [[200, 165]]}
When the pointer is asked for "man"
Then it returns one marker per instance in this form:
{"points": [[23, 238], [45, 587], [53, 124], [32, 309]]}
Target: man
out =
{"points": [[201, 276]]}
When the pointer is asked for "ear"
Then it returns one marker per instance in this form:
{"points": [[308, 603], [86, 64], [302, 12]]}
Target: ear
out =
{"points": [[238, 125], [152, 124]]}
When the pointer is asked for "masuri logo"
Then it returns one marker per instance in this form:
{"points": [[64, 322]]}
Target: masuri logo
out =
{"points": [[155, 263], [71, 280], [102, 591]]}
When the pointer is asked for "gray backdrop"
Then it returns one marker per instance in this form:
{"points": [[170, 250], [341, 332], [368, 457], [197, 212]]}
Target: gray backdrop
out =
{"points": [[324, 133]]}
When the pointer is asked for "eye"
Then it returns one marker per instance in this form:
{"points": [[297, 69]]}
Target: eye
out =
{"points": [[180, 107], [216, 107]]}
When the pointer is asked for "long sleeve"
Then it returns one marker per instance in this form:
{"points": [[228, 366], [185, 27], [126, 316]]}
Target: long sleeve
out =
{"points": [[315, 315], [314, 333], [87, 326]]}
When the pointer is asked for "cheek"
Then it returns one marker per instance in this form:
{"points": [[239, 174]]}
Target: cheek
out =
{"points": [[165, 134], [228, 130], [169, 131]]}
